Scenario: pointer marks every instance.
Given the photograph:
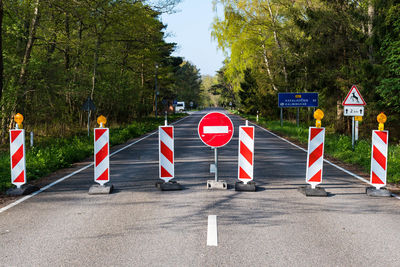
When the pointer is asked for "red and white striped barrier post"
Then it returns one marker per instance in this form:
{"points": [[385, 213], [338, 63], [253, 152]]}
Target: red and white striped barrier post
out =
{"points": [[101, 159], [379, 158], [246, 159], [18, 162], [246, 153], [17, 153], [166, 160], [379, 154], [166, 152], [102, 156], [315, 158]]}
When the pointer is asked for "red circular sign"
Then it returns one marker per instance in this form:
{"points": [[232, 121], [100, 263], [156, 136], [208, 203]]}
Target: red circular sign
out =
{"points": [[215, 129]]}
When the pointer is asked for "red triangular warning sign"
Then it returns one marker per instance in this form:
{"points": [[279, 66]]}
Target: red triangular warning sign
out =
{"points": [[354, 98]]}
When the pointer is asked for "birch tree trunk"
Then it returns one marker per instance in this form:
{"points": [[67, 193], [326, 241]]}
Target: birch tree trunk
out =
{"points": [[278, 43], [266, 61], [29, 45], [371, 13], [95, 62], [21, 90]]}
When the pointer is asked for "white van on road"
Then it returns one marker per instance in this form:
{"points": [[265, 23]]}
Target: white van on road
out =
{"points": [[180, 107]]}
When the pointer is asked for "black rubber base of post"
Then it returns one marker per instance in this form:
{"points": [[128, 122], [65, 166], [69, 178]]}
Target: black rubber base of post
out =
{"points": [[373, 192], [26, 189], [313, 192], [97, 189], [249, 187], [169, 186]]}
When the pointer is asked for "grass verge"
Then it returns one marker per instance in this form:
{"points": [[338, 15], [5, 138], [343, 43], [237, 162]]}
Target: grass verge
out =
{"points": [[52, 153], [337, 146]]}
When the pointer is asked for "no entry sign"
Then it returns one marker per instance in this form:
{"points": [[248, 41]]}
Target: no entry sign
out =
{"points": [[215, 129]]}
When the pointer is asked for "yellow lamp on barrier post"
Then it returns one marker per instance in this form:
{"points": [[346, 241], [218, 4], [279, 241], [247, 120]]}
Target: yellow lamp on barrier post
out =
{"points": [[101, 120], [318, 115], [381, 118], [18, 118]]}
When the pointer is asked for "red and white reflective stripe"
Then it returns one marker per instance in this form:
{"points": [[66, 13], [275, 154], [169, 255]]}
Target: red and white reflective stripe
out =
{"points": [[315, 156], [246, 153], [166, 152], [379, 158], [101, 155], [17, 153]]}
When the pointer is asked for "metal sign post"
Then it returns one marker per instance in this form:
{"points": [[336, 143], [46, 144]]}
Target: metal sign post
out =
{"points": [[156, 91], [352, 132], [89, 107], [353, 105], [31, 135], [215, 129], [356, 131], [216, 163]]}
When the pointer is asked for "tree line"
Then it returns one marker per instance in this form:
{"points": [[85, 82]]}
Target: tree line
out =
{"points": [[54, 54], [322, 46]]}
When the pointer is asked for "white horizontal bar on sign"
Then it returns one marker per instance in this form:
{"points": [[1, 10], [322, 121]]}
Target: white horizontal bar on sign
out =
{"points": [[215, 129]]}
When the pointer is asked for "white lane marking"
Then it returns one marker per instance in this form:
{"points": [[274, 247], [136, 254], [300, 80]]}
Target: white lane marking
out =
{"points": [[327, 161], [212, 236], [215, 129], [76, 172], [43, 188]]}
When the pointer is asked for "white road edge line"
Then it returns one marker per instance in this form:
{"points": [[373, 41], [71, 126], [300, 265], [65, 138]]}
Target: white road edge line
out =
{"points": [[327, 161], [9, 206], [212, 234]]}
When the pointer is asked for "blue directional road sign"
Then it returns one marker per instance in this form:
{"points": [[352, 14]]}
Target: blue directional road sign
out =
{"points": [[297, 100]]}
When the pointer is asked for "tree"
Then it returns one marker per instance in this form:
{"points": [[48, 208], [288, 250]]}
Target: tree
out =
{"points": [[187, 83], [1, 49], [57, 53], [389, 88]]}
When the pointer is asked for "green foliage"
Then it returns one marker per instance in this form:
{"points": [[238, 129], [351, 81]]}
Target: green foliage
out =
{"points": [[52, 153], [319, 46], [188, 84], [109, 50], [389, 88]]}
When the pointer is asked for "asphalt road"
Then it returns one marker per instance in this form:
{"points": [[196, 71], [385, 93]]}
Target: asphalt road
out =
{"points": [[138, 225]]}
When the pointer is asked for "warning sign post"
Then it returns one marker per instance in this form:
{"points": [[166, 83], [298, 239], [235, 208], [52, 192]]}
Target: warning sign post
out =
{"points": [[353, 105]]}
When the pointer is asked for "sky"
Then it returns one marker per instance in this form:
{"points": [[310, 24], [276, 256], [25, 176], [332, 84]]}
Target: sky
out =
{"points": [[190, 28]]}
